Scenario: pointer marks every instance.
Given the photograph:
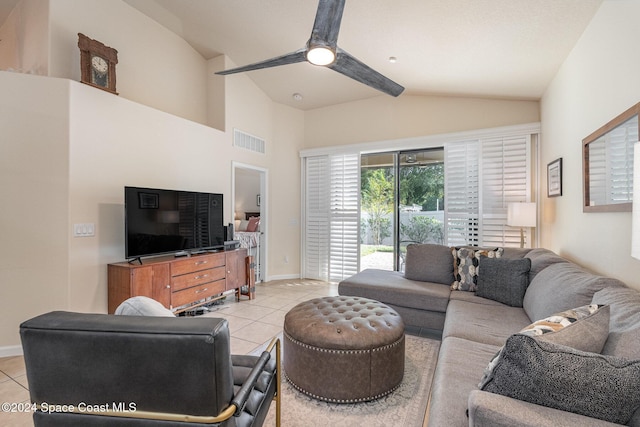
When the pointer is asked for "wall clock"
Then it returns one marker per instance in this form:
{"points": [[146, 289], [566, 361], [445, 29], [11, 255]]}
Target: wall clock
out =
{"points": [[97, 64]]}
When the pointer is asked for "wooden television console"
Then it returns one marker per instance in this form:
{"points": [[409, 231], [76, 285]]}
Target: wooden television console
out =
{"points": [[180, 283]]}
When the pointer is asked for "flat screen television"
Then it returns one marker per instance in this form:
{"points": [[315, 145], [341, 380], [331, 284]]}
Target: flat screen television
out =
{"points": [[161, 221]]}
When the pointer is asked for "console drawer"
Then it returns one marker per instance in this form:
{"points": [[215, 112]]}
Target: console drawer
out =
{"points": [[195, 293], [197, 263], [197, 278]]}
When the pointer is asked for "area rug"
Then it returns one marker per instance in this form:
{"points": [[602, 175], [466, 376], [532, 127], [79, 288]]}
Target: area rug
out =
{"points": [[405, 407]]}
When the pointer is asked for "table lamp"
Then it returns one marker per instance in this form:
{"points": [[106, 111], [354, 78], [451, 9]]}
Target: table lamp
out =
{"points": [[521, 215]]}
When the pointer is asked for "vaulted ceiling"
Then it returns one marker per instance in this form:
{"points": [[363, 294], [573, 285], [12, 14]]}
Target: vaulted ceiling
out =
{"points": [[484, 48]]}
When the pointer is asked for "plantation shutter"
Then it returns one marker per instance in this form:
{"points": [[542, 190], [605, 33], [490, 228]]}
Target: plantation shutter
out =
{"points": [[315, 241], [504, 178], [481, 178], [343, 216], [461, 193], [330, 241]]}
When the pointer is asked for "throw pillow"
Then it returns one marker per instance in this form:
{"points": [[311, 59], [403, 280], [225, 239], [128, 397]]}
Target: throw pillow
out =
{"points": [[557, 376], [584, 328], [465, 266], [254, 223], [143, 306], [504, 280], [429, 263]]}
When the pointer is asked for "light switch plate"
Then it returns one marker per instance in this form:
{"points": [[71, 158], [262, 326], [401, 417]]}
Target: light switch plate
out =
{"points": [[84, 230]]}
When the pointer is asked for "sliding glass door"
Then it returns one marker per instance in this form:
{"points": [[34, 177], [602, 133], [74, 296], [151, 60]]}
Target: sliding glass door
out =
{"points": [[362, 210], [377, 210], [402, 202], [420, 200]]}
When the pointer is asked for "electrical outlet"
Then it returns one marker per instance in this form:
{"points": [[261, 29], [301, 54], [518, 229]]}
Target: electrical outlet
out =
{"points": [[286, 259]]}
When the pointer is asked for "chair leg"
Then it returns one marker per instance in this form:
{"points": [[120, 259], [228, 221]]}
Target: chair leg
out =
{"points": [[278, 383]]}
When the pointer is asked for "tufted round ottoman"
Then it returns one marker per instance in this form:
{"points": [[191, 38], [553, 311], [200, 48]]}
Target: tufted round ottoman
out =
{"points": [[343, 349]]}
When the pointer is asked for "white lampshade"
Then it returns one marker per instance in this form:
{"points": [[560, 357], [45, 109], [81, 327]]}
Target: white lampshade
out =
{"points": [[635, 215], [521, 214]]}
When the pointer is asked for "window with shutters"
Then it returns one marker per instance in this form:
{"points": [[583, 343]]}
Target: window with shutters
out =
{"points": [[481, 178]]}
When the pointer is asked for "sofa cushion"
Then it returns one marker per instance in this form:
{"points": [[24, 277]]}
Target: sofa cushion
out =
{"points": [[459, 362], [624, 326], [548, 374], [482, 323], [540, 259], [465, 266], [494, 410], [429, 263], [504, 280], [562, 286], [391, 287]]}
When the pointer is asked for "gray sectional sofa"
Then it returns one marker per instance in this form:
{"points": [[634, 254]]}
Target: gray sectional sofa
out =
{"points": [[582, 374]]}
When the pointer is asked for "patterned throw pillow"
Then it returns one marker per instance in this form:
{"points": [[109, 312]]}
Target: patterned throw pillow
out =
{"points": [[465, 266], [584, 328], [560, 377]]}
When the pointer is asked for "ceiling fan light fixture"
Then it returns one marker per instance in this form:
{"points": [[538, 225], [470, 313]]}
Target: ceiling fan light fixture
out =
{"points": [[321, 55]]}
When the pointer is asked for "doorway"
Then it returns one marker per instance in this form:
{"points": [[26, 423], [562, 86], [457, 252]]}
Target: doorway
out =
{"points": [[249, 200], [402, 202]]}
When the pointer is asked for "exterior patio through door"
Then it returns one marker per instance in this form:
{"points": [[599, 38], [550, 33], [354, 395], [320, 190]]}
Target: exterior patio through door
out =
{"points": [[402, 202]]}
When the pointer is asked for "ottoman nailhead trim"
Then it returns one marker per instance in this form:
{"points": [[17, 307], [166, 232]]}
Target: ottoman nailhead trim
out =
{"points": [[331, 400], [323, 350], [393, 344], [328, 350]]}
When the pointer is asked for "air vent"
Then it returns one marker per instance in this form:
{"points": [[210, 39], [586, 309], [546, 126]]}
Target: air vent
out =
{"points": [[248, 142]]}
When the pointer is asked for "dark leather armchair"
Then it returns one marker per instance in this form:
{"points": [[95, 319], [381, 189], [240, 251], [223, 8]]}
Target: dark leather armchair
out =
{"points": [[105, 370]]}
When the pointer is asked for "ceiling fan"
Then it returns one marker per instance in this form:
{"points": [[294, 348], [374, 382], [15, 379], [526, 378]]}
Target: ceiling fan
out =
{"points": [[322, 49]]}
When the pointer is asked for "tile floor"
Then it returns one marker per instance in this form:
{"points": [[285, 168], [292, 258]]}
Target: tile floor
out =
{"points": [[252, 323]]}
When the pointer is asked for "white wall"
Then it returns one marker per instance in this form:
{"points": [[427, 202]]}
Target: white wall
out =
{"points": [[598, 81]]}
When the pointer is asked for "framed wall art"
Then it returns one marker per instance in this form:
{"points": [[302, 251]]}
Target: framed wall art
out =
{"points": [[554, 178]]}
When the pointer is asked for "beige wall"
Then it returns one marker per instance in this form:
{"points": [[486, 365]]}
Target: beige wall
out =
{"points": [[386, 118], [155, 66], [34, 189], [25, 36], [598, 81]]}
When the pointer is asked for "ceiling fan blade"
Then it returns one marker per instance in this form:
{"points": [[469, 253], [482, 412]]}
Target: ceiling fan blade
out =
{"points": [[357, 70], [327, 23], [289, 58]]}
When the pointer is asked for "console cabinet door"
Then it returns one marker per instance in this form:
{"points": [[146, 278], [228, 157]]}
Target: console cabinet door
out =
{"points": [[153, 281], [161, 284], [236, 274]]}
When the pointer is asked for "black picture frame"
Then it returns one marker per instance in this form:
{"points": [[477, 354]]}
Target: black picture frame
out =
{"points": [[554, 178], [148, 200]]}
